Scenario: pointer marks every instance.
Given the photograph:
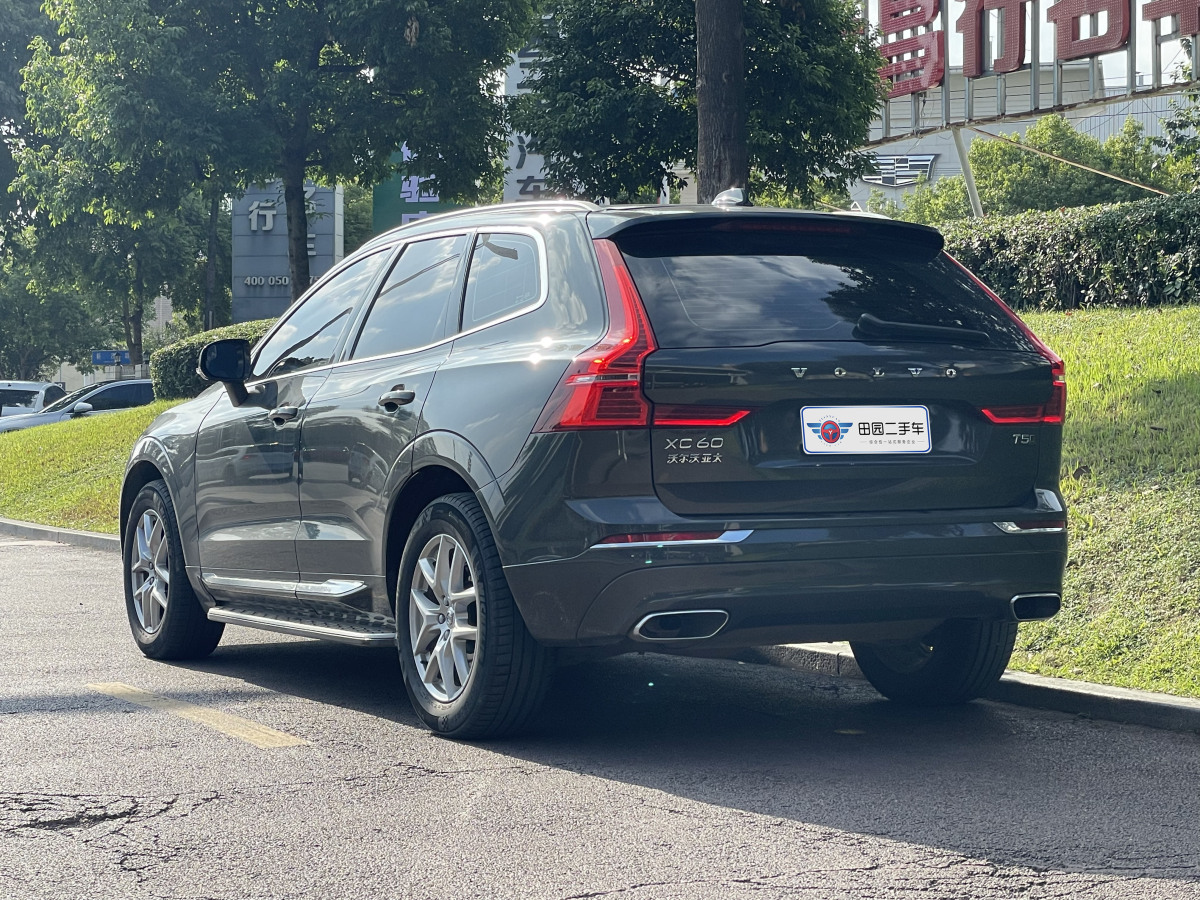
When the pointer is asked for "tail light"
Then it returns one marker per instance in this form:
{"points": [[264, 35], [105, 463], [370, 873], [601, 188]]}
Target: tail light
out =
{"points": [[1054, 410], [697, 416], [603, 387]]}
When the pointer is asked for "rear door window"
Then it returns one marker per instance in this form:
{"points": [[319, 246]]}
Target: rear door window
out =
{"points": [[707, 290], [117, 396], [13, 397]]}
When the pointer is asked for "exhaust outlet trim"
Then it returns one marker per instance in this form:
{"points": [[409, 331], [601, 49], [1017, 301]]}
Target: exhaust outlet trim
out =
{"points": [[680, 625], [1035, 607]]}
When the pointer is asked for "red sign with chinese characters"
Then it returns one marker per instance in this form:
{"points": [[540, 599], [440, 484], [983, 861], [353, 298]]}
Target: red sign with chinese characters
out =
{"points": [[914, 46], [916, 62]]}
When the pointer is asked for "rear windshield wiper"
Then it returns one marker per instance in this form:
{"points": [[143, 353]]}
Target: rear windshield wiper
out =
{"points": [[870, 326]]}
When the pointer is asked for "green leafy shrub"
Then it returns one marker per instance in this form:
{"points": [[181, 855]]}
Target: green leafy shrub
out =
{"points": [[173, 368], [1130, 254]]}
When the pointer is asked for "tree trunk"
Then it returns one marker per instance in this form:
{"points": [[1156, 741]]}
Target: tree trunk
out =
{"points": [[133, 326], [297, 218], [210, 268], [722, 157]]}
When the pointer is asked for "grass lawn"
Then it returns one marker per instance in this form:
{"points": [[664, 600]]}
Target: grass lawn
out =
{"points": [[1131, 473], [69, 474]]}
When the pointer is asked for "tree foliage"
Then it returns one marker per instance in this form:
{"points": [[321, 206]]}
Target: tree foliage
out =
{"points": [[1011, 180], [612, 104], [179, 92], [1180, 141], [21, 22], [42, 322]]}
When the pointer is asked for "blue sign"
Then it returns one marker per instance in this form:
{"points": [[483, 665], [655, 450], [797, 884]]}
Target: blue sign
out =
{"points": [[110, 358]]}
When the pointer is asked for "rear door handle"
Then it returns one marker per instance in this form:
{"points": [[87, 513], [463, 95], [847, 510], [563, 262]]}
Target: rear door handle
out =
{"points": [[282, 414], [396, 397]]}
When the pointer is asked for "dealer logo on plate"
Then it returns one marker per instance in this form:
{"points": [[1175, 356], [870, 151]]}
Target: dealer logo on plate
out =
{"points": [[830, 431]]}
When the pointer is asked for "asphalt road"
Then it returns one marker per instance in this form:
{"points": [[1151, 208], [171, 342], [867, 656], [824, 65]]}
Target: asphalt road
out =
{"points": [[647, 777]]}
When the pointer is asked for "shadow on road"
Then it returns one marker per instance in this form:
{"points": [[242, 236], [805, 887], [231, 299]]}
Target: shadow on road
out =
{"points": [[1013, 786]]}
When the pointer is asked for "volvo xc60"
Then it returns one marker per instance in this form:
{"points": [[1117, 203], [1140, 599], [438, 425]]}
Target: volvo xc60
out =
{"points": [[498, 433]]}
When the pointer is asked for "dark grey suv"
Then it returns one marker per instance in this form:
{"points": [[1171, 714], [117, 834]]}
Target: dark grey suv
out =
{"points": [[499, 433]]}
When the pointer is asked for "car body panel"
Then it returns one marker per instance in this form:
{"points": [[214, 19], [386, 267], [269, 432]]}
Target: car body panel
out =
{"points": [[352, 450], [247, 501]]}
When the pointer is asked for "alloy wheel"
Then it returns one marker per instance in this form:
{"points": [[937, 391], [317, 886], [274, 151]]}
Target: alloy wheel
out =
{"points": [[150, 571], [443, 615]]}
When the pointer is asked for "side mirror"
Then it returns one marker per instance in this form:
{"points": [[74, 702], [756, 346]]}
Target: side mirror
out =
{"points": [[82, 408], [227, 361]]}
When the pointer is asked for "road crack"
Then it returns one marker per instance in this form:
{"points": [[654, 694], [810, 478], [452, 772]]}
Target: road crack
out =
{"points": [[120, 825]]}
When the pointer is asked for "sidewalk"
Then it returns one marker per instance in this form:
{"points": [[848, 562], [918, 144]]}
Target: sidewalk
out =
{"points": [[1077, 697]]}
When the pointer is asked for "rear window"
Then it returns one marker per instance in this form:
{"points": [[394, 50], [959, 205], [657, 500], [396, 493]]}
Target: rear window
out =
{"points": [[706, 290], [11, 397]]}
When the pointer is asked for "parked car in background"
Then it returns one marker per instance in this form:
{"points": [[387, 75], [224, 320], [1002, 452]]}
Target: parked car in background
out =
{"points": [[93, 399], [500, 434], [19, 398]]}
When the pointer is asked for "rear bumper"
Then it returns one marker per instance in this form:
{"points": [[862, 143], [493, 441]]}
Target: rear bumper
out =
{"points": [[781, 585]]}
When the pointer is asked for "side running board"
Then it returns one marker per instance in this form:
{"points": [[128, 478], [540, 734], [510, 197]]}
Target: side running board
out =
{"points": [[361, 631]]}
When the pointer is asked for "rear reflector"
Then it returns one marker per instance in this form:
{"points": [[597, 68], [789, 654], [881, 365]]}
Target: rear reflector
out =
{"points": [[1035, 526], [697, 416], [603, 386], [661, 537], [675, 538]]}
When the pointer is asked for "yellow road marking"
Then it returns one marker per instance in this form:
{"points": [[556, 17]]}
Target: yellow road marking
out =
{"points": [[234, 726]]}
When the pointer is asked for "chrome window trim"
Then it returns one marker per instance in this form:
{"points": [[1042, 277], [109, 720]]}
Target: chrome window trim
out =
{"points": [[398, 248], [543, 293]]}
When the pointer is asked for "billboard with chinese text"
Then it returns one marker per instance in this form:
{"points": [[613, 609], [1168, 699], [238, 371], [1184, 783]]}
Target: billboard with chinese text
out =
{"points": [[949, 62]]}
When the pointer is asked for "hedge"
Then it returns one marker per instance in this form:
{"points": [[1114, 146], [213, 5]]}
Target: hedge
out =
{"points": [[173, 368], [1130, 254]]}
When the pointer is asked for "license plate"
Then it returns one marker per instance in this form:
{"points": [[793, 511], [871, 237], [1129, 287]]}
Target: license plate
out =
{"points": [[866, 429]]}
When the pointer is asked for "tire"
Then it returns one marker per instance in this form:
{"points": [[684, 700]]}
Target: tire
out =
{"points": [[165, 616], [958, 661], [476, 673]]}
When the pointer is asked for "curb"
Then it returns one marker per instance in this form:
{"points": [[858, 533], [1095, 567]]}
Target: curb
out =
{"points": [[1095, 701], [90, 539], [1081, 698]]}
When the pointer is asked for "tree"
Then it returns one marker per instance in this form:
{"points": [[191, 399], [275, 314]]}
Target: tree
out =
{"points": [[43, 321], [1011, 180], [21, 21], [313, 88], [613, 98], [119, 270], [1180, 141]]}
